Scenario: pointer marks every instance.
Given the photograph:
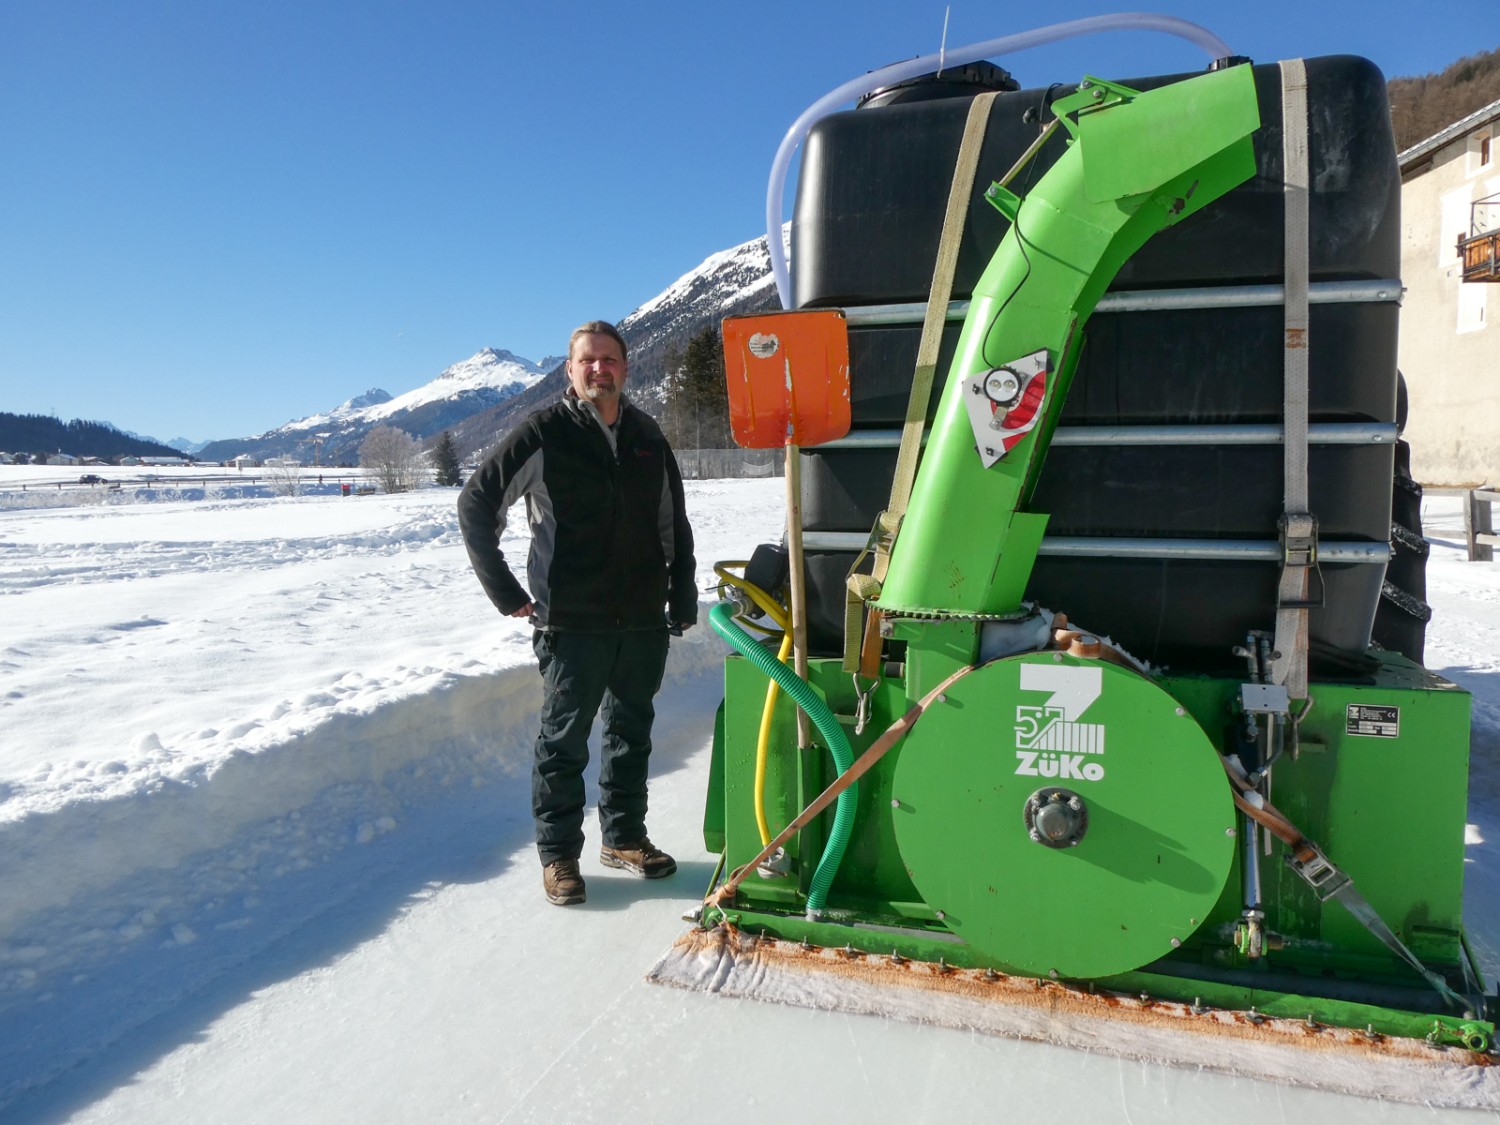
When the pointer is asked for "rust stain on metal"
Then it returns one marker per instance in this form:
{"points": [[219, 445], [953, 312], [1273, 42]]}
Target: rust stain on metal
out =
{"points": [[756, 956], [1296, 338]]}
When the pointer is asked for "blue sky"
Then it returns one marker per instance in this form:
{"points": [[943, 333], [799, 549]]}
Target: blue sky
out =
{"points": [[219, 216]]}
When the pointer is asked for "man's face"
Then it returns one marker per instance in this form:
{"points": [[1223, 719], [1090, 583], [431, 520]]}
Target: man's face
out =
{"points": [[597, 369]]}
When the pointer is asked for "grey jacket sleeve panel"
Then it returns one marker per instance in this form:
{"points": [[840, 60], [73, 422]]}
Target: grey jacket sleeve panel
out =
{"points": [[677, 543], [513, 470]]}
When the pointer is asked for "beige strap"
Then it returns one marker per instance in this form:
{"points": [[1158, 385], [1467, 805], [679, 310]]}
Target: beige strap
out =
{"points": [[860, 588], [1299, 527]]}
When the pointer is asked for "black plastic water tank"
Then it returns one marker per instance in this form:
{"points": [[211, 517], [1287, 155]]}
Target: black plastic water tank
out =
{"points": [[871, 197]]}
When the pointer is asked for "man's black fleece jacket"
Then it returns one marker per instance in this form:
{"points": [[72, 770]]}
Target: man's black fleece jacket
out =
{"points": [[611, 548]]}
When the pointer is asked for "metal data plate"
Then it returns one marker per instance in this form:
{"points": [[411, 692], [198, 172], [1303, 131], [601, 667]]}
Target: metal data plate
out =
{"points": [[1005, 402]]}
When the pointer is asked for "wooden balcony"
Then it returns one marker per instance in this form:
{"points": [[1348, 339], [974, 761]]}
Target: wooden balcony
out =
{"points": [[1480, 254]]}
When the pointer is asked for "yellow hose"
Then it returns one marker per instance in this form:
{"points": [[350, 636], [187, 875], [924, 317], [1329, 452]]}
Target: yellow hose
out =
{"points": [[763, 746], [773, 609], [778, 614]]}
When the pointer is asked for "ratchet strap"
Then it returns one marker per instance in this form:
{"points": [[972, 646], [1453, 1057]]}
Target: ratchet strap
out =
{"points": [[1328, 881], [860, 588], [1298, 526]]}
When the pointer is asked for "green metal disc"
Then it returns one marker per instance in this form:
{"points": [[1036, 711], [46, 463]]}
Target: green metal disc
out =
{"points": [[1130, 834]]}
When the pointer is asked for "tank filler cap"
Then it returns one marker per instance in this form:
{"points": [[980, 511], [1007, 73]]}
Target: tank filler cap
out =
{"points": [[951, 82], [1056, 818]]}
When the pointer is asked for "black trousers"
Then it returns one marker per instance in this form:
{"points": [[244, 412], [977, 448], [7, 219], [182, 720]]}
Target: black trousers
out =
{"points": [[580, 672]]}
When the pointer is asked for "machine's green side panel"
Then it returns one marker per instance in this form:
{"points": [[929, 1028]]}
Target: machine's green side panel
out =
{"points": [[872, 872], [713, 805], [1375, 759]]}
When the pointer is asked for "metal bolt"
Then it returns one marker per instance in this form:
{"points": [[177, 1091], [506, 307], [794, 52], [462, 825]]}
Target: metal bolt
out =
{"points": [[1197, 1009], [941, 915], [895, 804], [991, 975], [1229, 832], [1176, 943], [1181, 711], [943, 698], [1053, 973]]}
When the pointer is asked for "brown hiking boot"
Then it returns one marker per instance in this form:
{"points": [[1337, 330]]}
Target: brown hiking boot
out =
{"points": [[563, 884], [641, 858]]}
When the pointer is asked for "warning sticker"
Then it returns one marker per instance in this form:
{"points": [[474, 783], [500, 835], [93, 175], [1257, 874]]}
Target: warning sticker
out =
{"points": [[1373, 722]]}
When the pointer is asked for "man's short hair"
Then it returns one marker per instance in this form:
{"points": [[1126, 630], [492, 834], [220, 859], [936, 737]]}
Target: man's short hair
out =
{"points": [[598, 328]]}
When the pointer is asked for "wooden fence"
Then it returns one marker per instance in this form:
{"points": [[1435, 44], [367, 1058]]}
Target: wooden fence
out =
{"points": [[1479, 519]]}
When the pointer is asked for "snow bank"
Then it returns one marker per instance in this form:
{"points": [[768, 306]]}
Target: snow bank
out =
{"points": [[196, 690]]}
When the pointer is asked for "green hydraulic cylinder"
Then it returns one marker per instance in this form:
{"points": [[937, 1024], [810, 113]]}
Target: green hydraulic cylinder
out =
{"points": [[1136, 164]]}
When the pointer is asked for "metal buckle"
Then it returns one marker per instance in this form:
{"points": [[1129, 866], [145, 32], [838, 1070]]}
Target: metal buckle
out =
{"points": [[1299, 549], [1319, 873], [862, 707]]}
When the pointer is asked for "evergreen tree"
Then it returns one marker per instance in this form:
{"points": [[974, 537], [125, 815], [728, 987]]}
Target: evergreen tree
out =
{"points": [[697, 403], [445, 460]]}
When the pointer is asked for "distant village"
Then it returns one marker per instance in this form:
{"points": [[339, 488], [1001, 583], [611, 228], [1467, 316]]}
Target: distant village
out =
{"points": [[131, 460]]}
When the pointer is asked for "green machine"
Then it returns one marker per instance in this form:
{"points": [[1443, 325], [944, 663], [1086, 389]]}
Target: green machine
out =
{"points": [[997, 802]]}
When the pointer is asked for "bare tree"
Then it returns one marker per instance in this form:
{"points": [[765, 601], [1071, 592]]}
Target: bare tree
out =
{"points": [[394, 457], [284, 475]]}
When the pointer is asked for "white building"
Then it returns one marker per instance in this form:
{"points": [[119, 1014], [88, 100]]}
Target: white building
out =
{"points": [[1450, 350]]}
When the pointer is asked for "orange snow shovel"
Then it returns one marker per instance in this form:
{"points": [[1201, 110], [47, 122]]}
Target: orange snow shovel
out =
{"points": [[788, 380]]}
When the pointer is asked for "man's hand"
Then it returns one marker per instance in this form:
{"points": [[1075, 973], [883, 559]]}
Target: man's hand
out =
{"points": [[524, 611], [677, 628]]}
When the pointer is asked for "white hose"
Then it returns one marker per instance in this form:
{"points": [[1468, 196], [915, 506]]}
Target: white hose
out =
{"points": [[926, 64]]}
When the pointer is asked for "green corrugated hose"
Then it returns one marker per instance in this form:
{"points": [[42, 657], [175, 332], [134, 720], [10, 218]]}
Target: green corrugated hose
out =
{"points": [[721, 618]]}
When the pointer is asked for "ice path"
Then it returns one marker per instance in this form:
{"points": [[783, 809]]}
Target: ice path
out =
{"points": [[175, 885]]}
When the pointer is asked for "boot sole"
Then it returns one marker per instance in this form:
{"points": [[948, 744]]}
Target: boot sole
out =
{"points": [[567, 900], [619, 864]]}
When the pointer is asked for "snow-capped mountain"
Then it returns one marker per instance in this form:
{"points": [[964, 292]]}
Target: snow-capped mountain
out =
{"points": [[483, 380], [479, 399], [728, 283]]}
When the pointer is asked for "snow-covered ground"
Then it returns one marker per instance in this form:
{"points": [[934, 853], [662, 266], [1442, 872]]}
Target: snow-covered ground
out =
{"points": [[267, 855]]}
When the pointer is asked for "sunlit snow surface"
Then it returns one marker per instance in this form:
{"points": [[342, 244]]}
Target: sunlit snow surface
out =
{"points": [[266, 849]]}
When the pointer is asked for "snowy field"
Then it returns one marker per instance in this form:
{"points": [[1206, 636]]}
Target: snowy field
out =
{"points": [[267, 854]]}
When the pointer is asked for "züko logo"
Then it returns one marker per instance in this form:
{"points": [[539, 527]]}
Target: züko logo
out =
{"points": [[1050, 741]]}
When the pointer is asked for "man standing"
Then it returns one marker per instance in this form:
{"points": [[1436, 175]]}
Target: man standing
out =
{"points": [[611, 568]]}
